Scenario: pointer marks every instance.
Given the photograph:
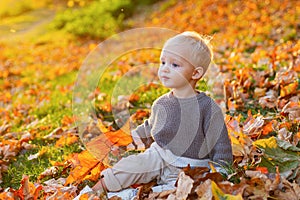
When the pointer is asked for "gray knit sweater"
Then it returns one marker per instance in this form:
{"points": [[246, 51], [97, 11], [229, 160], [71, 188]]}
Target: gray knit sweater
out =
{"points": [[189, 127]]}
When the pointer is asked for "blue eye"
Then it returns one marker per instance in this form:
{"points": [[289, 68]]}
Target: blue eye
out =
{"points": [[175, 65]]}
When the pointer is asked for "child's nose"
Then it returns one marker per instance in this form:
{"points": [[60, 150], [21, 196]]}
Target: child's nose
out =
{"points": [[165, 68]]}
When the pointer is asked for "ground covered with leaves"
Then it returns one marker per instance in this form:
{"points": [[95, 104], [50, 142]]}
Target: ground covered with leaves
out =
{"points": [[255, 79]]}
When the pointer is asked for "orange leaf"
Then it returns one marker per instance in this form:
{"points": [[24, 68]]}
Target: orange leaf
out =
{"points": [[85, 164], [263, 170], [94, 174], [140, 114], [6, 196], [27, 190], [267, 128], [66, 120], [99, 146], [121, 137], [134, 98], [66, 140], [287, 125], [106, 107], [84, 197]]}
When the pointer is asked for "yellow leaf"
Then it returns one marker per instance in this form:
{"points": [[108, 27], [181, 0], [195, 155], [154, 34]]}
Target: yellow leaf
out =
{"points": [[210, 190], [288, 89], [218, 194]]}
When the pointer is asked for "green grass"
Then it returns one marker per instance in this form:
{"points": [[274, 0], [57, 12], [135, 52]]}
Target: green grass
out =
{"points": [[32, 168], [49, 114]]}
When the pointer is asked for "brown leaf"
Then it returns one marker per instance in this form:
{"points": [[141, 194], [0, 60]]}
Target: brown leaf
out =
{"points": [[269, 101], [115, 198], [38, 154], [292, 109], [234, 189], [196, 172], [204, 190], [4, 128], [144, 190], [252, 126]]}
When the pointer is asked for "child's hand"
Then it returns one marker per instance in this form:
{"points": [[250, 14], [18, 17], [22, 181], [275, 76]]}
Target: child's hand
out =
{"points": [[137, 143], [140, 146]]}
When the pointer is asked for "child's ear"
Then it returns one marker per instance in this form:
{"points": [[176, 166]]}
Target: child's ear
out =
{"points": [[198, 73]]}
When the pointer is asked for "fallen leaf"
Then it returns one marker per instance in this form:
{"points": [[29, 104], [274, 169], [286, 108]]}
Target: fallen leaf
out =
{"points": [[288, 89], [51, 171], [184, 186], [278, 153], [84, 163], [66, 140], [38, 154], [55, 133]]}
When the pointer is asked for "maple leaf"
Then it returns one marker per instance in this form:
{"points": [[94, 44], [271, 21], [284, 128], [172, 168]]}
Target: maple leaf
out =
{"points": [[86, 167], [109, 141]]}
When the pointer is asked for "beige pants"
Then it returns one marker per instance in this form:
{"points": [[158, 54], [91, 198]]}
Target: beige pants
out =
{"points": [[139, 168]]}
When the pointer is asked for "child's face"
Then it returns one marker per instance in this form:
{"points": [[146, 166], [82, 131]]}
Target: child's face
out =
{"points": [[175, 71]]}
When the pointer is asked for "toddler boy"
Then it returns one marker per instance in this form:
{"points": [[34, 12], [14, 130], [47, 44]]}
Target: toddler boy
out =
{"points": [[186, 127]]}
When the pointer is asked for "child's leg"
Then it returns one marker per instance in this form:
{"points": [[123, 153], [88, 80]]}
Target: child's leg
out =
{"points": [[140, 168]]}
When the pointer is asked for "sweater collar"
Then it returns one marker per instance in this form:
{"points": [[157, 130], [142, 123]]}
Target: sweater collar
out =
{"points": [[198, 96]]}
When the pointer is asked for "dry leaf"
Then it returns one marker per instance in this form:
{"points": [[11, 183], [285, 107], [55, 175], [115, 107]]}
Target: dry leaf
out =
{"points": [[66, 140], [184, 186], [51, 171], [204, 190], [85, 163]]}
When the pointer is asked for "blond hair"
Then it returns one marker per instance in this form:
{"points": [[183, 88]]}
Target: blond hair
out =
{"points": [[201, 53]]}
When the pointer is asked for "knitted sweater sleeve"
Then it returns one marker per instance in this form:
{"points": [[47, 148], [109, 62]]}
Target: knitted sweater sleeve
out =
{"points": [[218, 142], [152, 125], [143, 131]]}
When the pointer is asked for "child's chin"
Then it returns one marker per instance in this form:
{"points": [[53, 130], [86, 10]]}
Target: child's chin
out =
{"points": [[167, 85]]}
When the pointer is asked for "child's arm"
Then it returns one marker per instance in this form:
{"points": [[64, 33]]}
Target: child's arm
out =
{"points": [[141, 137], [218, 140], [142, 134]]}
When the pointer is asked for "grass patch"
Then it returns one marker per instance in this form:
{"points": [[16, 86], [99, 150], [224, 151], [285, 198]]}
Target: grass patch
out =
{"points": [[22, 166]]}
